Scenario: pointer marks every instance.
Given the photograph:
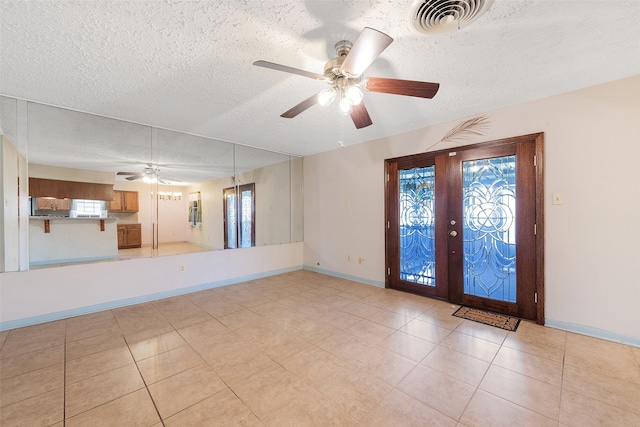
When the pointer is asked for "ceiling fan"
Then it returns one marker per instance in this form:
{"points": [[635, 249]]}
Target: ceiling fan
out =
{"points": [[150, 174], [344, 75]]}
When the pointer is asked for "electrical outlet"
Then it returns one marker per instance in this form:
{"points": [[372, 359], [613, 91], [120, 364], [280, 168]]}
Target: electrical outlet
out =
{"points": [[181, 268], [360, 260], [348, 258]]}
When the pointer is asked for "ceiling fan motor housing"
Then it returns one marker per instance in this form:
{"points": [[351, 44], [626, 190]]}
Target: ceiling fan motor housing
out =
{"points": [[333, 69], [343, 47], [333, 72]]}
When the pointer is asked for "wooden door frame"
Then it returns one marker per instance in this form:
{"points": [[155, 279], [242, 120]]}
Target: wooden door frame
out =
{"points": [[391, 242]]}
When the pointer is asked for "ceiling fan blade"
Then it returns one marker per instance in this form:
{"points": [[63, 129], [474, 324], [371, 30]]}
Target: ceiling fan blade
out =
{"points": [[129, 173], [360, 116], [286, 69], [304, 105], [365, 50], [402, 87]]}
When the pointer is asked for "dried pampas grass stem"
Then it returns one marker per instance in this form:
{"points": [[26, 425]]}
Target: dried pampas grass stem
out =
{"points": [[467, 129]]}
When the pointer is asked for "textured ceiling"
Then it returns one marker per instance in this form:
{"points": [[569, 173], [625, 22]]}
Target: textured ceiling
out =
{"points": [[187, 65]]}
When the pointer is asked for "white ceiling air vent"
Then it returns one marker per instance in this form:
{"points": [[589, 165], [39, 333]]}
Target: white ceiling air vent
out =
{"points": [[443, 16]]}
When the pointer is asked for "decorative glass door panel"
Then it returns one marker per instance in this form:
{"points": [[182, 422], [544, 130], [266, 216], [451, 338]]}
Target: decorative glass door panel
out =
{"points": [[489, 228], [230, 219], [417, 225], [247, 213]]}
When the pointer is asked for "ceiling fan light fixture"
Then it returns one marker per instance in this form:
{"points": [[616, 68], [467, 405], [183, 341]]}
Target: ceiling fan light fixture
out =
{"points": [[354, 95], [345, 105], [327, 96], [168, 195], [150, 174]]}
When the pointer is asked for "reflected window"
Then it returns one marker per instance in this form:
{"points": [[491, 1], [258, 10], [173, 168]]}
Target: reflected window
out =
{"points": [[195, 209], [239, 217], [87, 208]]}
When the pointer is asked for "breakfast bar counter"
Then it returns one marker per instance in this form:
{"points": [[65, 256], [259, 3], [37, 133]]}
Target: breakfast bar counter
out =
{"points": [[58, 239]]}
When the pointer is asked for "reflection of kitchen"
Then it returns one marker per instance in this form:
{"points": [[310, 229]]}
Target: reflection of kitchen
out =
{"points": [[79, 215], [129, 234], [83, 216]]}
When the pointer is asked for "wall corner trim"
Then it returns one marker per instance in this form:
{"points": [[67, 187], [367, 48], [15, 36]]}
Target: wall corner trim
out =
{"points": [[344, 276], [593, 332]]}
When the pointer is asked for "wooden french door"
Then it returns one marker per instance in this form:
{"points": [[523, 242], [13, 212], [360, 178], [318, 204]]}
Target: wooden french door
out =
{"points": [[239, 216], [465, 225]]}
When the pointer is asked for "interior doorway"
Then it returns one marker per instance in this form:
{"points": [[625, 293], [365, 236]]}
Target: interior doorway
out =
{"points": [[466, 225]]}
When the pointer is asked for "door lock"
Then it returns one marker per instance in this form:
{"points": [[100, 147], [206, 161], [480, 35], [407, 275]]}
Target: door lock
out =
{"points": [[453, 233]]}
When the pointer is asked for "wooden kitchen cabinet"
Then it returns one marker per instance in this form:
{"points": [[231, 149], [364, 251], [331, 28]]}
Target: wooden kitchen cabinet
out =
{"points": [[124, 201], [51, 204], [57, 189], [129, 236], [116, 204]]}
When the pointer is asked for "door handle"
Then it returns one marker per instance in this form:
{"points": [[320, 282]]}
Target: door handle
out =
{"points": [[453, 233]]}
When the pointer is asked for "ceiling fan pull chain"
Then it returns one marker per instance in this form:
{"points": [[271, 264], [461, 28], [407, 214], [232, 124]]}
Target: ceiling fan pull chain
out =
{"points": [[341, 140]]}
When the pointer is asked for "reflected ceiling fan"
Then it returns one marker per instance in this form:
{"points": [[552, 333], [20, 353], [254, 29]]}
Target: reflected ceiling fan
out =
{"points": [[150, 174], [344, 75]]}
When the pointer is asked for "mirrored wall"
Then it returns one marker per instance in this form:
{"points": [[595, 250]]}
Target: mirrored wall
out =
{"points": [[169, 192]]}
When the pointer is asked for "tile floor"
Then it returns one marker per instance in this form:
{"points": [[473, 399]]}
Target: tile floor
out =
{"points": [[307, 349]]}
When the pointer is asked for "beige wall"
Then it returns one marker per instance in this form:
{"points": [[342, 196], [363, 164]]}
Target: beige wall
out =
{"points": [[273, 198], [172, 216], [210, 233], [273, 202], [592, 250], [14, 232]]}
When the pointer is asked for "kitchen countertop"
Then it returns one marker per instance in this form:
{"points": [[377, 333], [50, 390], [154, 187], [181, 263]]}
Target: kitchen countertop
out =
{"points": [[52, 217]]}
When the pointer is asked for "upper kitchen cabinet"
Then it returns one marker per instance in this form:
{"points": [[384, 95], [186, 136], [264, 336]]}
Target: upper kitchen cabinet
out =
{"points": [[58, 189], [124, 201], [50, 204]]}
